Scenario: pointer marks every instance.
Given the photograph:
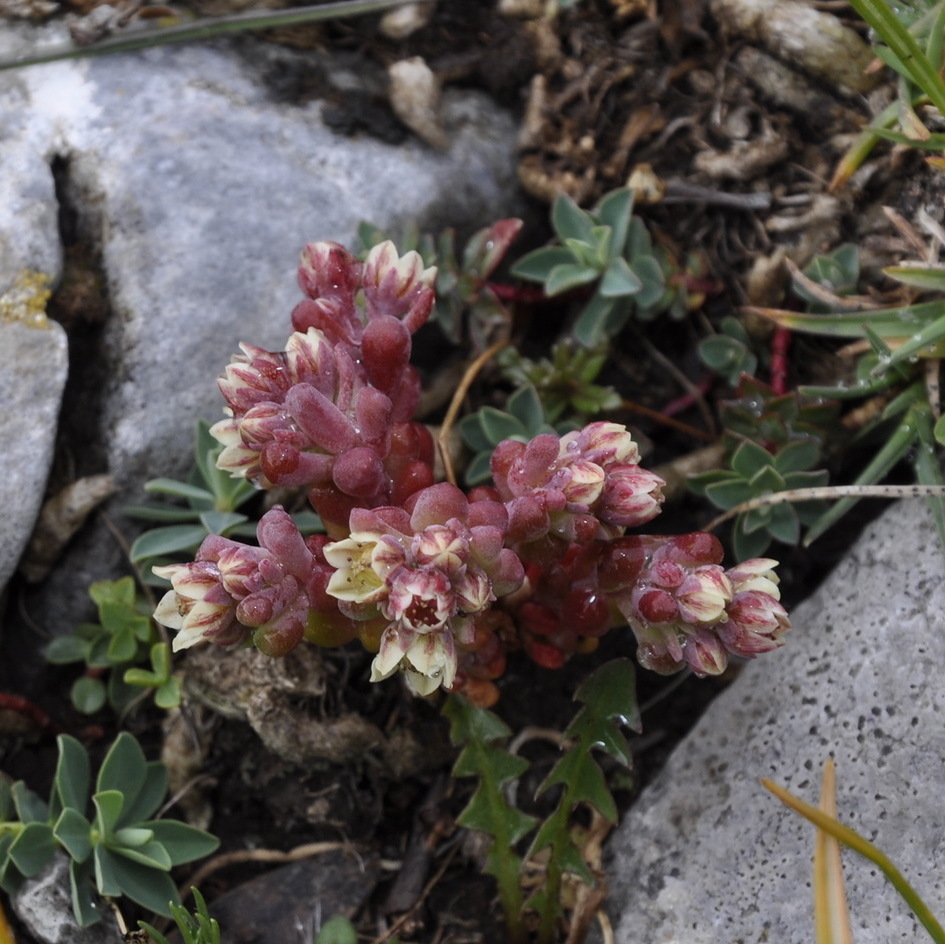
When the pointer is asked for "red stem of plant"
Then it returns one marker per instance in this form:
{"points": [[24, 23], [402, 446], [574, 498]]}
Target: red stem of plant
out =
{"points": [[688, 399], [528, 294], [23, 706], [780, 345]]}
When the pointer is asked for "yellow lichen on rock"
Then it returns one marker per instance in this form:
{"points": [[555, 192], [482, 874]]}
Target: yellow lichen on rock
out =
{"points": [[25, 300]]}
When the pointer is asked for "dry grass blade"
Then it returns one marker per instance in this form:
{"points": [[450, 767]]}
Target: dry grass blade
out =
{"points": [[831, 914], [827, 492]]}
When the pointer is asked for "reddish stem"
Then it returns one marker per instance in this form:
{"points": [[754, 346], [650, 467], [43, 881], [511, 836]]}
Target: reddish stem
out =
{"points": [[23, 706], [528, 294], [780, 345], [687, 400]]}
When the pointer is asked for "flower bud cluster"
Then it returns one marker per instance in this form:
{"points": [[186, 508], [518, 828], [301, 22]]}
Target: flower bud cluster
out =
{"points": [[430, 569], [333, 412], [232, 591], [441, 584], [585, 486], [685, 609]]}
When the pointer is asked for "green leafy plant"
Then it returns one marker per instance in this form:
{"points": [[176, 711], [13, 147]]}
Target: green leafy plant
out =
{"points": [[912, 40], [196, 928], [729, 352], [609, 702], [755, 472], [772, 419], [120, 850], [564, 381], [337, 930], [523, 419], [211, 502], [467, 303], [115, 650], [901, 347], [611, 248]]}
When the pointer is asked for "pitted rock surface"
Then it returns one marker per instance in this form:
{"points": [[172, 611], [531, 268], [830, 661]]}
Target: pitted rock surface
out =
{"points": [[707, 856]]}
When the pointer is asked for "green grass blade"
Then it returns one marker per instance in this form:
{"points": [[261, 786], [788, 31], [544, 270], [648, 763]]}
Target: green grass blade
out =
{"points": [[205, 29], [898, 322], [895, 448], [878, 14], [863, 847]]}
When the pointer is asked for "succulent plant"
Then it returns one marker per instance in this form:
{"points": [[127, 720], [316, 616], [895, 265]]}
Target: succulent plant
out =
{"points": [[120, 850]]}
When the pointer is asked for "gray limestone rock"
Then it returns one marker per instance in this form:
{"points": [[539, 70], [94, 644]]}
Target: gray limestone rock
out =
{"points": [[33, 367], [43, 904], [707, 856], [196, 183]]}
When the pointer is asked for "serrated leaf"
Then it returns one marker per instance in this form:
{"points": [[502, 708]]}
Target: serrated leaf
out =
{"points": [[610, 695], [476, 729], [567, 857], [483, 813], [584, 781]]}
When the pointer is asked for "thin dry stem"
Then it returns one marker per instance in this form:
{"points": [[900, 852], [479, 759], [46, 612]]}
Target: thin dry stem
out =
{"points": [[828, 492], [442, 440]]}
